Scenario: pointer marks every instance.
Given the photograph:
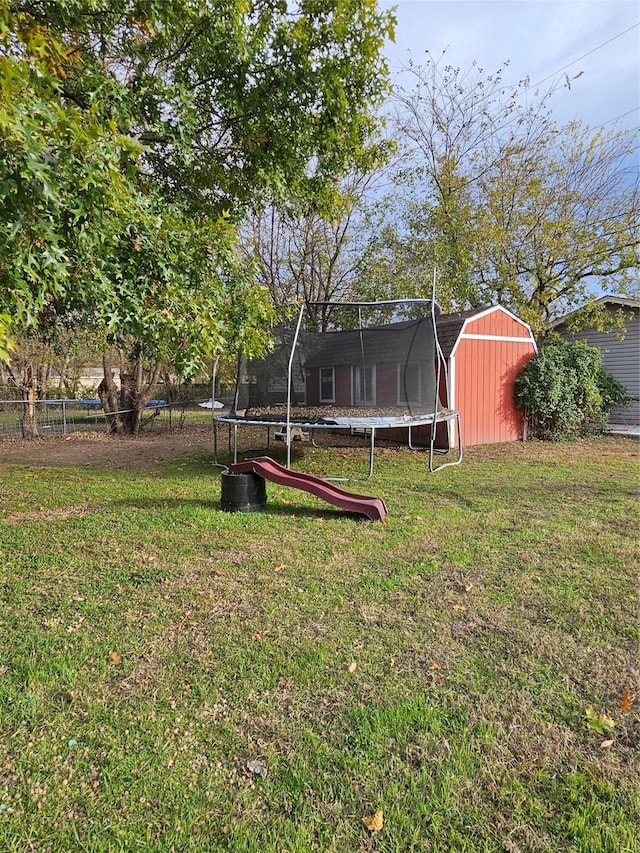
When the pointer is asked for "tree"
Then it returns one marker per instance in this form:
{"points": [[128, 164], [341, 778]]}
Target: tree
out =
{"points": [[135, 134], [554, 234], [304, 256], [509, 206], [403, 251]]}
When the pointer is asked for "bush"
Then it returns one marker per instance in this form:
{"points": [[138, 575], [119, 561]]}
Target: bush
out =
{"points": [[565, 392]]}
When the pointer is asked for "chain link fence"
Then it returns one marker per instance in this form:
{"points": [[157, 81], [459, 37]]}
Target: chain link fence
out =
{"points": [[65, 417]]}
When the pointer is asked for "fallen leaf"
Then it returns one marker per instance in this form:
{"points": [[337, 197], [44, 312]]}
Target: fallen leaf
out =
{"points": [[257, 767], [460, 607], [438, 679], [626, 701], [280, 568], [606, 744], [599, 723], [115, 658], [375, 821], [435, 664], [353, 666], [257, 635]]}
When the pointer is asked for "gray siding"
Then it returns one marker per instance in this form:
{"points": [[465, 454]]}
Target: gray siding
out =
{"points": [[622, 359]]}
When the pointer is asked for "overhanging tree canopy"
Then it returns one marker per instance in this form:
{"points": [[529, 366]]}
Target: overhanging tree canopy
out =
{"points": [[135, 132]]}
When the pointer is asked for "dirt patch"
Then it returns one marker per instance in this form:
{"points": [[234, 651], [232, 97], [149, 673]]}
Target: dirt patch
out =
{"points": [[50, 514], [100, 451]]}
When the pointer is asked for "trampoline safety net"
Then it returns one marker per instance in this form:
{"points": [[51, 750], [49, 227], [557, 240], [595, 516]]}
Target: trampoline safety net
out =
{"points": [[346, 361]]}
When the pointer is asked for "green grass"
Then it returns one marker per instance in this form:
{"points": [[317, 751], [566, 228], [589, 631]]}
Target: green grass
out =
{"points": [[438, 666]]}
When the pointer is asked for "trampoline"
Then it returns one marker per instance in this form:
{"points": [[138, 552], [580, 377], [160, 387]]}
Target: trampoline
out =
{"points": [[355, 368]]}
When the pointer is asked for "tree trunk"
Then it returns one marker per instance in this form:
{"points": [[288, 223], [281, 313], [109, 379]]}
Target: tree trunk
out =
{"points": [[109, 397], [29, 418], [125, 409], [132, 402]]}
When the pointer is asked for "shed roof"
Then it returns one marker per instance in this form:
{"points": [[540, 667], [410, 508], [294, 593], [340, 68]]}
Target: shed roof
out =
{"points": [[449, 327]]}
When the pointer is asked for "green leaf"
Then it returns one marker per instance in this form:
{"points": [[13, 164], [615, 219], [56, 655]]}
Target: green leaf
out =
{"points": [[598, 722]]}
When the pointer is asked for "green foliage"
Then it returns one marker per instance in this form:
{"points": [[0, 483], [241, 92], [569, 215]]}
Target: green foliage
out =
{"points": [[564, 391], [612, 392], [134, 134], [6, 341], [597, 722]]}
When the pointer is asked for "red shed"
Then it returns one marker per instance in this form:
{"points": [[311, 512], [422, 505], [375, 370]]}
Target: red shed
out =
{"points": [[484, 350]]}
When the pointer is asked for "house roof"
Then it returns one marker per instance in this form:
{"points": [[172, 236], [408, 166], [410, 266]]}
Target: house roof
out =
{"points": [[607, 299], [408, 341]]}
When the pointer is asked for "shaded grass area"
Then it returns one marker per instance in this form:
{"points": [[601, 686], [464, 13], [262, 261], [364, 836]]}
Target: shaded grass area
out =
{"points": [[177, 678]]}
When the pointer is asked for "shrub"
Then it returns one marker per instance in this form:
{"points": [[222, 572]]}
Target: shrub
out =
{"points": [[565, 392]]}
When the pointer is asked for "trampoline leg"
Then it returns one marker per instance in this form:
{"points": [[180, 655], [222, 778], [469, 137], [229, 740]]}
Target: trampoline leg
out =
{"points": [[371, 452], [455, 416]]}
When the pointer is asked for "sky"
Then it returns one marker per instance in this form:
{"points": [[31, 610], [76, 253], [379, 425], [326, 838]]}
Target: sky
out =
{"points": [[541, 39]]}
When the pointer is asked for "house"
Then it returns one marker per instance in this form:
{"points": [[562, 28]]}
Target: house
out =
{"points": [[620, 354], [385, 366]]}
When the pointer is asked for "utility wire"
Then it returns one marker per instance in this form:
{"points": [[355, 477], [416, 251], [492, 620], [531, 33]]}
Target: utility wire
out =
{"points": [[622, 115], [588, 53]]}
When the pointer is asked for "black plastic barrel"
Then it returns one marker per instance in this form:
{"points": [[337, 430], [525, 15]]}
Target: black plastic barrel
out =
{"points": [[243, 492]]}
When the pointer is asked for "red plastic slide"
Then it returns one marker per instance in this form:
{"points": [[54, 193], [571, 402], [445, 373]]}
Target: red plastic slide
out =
{"points": [[268, 468]]}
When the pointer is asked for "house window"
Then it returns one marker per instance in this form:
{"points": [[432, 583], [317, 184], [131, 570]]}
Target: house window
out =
{"points": [[365, 385], [327, 385]]}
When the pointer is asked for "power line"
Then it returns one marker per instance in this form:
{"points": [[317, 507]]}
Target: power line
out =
{"points": [[573, 62], [622, 115]]}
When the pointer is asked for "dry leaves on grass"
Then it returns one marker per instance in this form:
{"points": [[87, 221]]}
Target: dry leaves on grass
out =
{"points": [[626, 701], [257, 767], [374, 822]]}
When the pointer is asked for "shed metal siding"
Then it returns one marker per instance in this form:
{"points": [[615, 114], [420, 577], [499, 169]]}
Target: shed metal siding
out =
{"points": [[343, 385], [312, 386], [485, 373], [492, 346], [497, 322], [386, 384]]}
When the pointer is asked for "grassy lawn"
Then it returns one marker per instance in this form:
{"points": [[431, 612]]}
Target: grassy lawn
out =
{"points": [[175, 678]]}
